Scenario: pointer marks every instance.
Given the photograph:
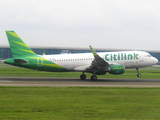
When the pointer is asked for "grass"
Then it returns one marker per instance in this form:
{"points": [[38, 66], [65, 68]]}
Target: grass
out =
{"points": [[146, 74], [8, 70], [79, 103]]}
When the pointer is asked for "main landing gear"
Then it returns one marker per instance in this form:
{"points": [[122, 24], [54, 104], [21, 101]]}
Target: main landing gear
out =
{"points": [[93, 77], [138, 75], [83, 77]]}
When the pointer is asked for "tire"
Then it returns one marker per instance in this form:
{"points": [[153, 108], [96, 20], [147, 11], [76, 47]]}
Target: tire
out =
{"points": [[83, 77], [93, 77], [138, 75]]}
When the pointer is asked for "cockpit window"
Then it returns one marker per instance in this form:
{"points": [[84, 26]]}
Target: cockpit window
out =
{"points": [[148, 55]]}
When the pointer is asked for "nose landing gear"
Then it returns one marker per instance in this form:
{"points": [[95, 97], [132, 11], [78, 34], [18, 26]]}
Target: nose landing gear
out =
{"points": [[138, 75]]}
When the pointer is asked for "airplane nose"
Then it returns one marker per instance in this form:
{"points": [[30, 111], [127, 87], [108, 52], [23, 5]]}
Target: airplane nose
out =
{"points": [[155, 60]]}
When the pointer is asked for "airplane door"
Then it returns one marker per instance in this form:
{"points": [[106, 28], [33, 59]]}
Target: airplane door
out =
{"points": [[141, 57], [39, 61], [141, 60]]}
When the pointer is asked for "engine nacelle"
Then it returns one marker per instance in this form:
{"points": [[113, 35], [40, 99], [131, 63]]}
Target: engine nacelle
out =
{"points": [[116, 69]]}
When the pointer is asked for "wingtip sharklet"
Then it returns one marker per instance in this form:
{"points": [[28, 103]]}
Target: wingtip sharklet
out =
{"points": [[93, 51]]}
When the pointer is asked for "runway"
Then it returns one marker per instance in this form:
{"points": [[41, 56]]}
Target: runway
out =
{"points": [[76, 82]]}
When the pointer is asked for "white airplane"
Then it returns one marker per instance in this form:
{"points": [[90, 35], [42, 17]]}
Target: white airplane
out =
{"points": [[96, 63]]}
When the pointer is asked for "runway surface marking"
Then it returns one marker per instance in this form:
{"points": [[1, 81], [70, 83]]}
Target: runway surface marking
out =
{"points": [[76, 82], [5, 81]]}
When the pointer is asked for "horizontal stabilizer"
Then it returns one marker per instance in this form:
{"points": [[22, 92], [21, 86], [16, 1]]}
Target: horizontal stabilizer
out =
{"points": [[21, 61]]}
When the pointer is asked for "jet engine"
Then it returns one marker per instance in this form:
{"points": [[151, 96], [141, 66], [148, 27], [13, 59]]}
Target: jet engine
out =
{"points": [[116, 69]]}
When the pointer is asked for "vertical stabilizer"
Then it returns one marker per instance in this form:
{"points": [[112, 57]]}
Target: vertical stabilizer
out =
{"points": [[18, 47]]}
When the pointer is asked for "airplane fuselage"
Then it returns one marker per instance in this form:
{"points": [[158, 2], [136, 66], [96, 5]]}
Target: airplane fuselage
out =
{"points": [[79, 62]]}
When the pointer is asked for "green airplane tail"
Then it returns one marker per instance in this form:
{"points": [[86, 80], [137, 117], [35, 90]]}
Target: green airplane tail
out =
{"points": [[18, 47]]}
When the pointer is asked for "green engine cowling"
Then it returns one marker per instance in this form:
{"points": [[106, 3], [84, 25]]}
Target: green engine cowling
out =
{"points": [[117, 69]]}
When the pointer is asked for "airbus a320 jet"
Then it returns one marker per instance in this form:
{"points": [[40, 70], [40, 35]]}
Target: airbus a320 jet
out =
{"points": [[97, 63]]}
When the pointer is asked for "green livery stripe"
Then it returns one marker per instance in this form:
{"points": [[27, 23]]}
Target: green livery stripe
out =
{"points": [[13, 34], [27, 51], [44, 59], [38, 58], [34, 57], [18, 47], [23, 44], [48, 63], [53, 65], [94, 53]]}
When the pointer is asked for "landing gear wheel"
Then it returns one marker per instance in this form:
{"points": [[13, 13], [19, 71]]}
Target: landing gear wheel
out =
{"points": [[93, 77], [83, 77], [138, 75]]}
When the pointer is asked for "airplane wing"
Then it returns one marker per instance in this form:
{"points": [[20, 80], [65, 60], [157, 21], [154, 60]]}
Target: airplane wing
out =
{"points": [[98, 63]]}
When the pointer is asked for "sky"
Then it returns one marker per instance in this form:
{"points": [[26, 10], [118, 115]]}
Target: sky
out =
{"points": [[106, 24]]}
